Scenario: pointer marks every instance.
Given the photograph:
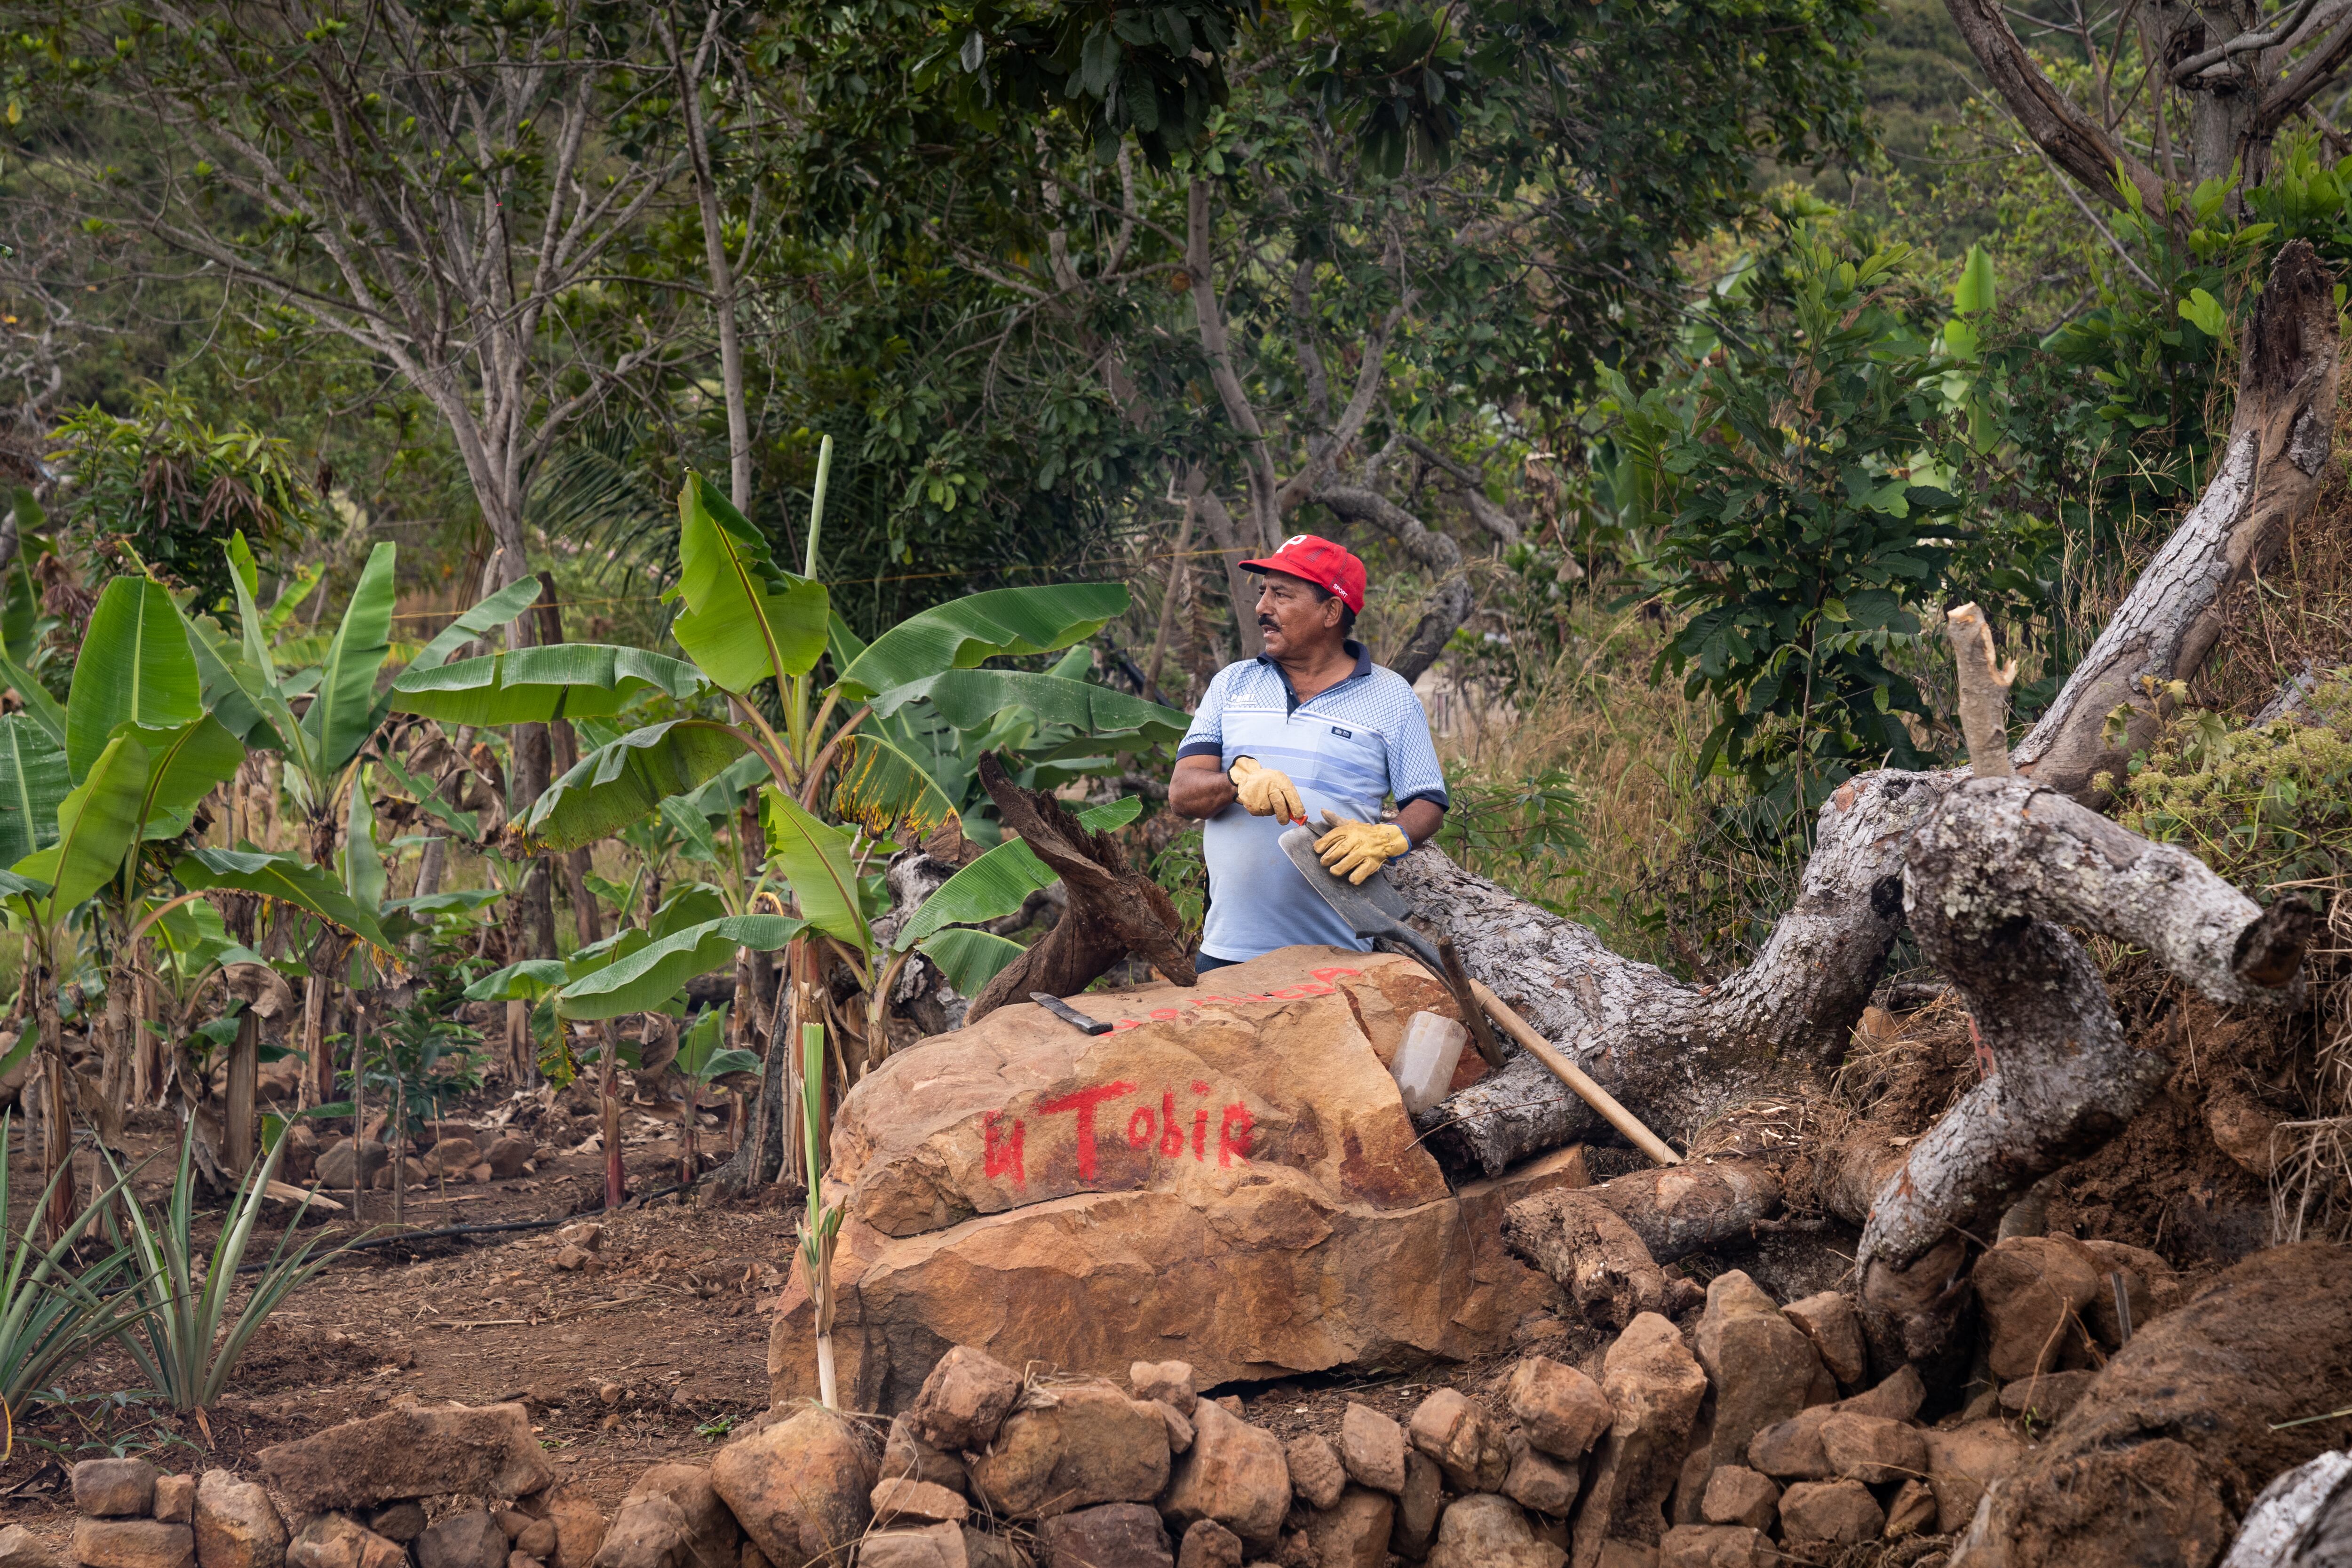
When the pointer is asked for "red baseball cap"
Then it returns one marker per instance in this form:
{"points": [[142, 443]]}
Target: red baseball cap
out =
{"points": [[1314, 559]]}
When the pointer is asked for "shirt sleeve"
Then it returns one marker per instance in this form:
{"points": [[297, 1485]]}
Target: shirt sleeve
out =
{"points": [[1414, 772], [1206, 738]]}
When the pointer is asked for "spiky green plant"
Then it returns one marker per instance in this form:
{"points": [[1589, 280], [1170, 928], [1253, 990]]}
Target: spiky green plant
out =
{"points": [[50, 1316], [187, 1340]]}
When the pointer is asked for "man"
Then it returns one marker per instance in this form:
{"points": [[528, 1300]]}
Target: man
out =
{"points": [[1309, 729]]}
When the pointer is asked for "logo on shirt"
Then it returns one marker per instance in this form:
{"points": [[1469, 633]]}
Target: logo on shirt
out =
{"points": [[1343, 734]]}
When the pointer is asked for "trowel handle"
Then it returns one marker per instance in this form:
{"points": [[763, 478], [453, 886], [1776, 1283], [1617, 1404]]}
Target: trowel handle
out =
{"points": [[1575, 1077]]}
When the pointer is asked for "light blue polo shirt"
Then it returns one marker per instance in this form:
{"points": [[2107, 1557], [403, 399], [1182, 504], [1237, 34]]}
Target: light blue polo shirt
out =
{"points": [[1348, 749]]}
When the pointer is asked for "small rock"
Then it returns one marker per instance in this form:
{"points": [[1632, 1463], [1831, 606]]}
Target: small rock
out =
{"points": [[508, 1155], [451, 1157], [133, 1543], [537, 1538], [463, 1540], [114, 1489], [1316, 1473], [404, 1521], [1483, 1530], [1372, 1447], [1738, 1495], [1537, 1480], [1563, 1411], [672, 1518], [981, 1548], [570, 1259], [19, 1550], [334, 1166], [1072, 1445], [1839, 1513], [236, 1525], [801, 1487], [1468, 1445], [1760, 1364], [908, 1458], [2046, 1398], [904, 1502], [1872, 1450], [175, 1498], [588, 1236], [1791, 1450], [1235, 1474], [1180, 1427], [1830, 1320], [1962, 1462], [1354, 1532], [964, 1400], [579, 1527], [411, 1169], [1124, 1535], [514, 1522], [334, 1541], [1168, 1380], [1418, 1507], [1912, 1510], [1714, 1546], [2034, 1291], [932, 1546], [1208, 1544], [523, 1560]]}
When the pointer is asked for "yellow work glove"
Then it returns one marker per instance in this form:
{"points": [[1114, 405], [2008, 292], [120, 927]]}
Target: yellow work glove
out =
{"points": [[1266, 792], [1357, 849]]}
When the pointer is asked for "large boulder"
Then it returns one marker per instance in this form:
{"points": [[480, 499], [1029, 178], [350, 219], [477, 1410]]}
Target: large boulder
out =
{"points": [[1235, 1473], [2171, 1445], [2035, 1290], [1231, 1170], [410, 1452]]}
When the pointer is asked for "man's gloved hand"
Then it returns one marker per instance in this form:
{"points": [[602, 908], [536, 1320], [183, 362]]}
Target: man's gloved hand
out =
{"points": [[1266, 792], [1357, 849]]}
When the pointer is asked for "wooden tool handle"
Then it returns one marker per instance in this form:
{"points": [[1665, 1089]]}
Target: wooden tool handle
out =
{"points": [[1482, 1032], [1575, 1077]]}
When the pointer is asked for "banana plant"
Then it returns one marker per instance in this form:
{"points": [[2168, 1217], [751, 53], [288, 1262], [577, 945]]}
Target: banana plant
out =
{"points": [[744, 621], [703, 1058]]}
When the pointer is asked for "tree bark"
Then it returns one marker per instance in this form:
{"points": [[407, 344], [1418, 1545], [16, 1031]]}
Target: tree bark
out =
{"points": [[1113, 910], [2278, 448], [688, 70], [1993, 879]]}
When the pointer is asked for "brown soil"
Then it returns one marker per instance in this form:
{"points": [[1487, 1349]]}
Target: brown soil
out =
{"points": [[649, 1355]]}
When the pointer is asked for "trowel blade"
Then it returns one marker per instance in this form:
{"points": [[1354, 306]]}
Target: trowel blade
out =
{"points": [[1373, 909]]}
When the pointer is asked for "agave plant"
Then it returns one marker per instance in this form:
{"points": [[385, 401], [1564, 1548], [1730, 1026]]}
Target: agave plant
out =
{"points": [[188, 1340], [50, 1315]]}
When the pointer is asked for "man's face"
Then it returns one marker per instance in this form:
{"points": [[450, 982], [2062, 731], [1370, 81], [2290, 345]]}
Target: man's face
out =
{"points": [[1292, 620]]}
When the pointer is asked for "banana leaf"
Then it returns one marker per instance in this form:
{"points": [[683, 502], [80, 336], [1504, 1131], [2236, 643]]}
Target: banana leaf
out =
{"points": [[45, 709], [232, 689], [623, 783], [745, 618], [280, 877], [533, 979], [697, 903], [816, 859], [695, 839], [183, 766], [702, 1057], [961, 634], [135, 668], [970, 959], [972, 699], [465, 824], [343, 713], [646, 978], [497, 610], [466, 899], [363, 873], [33, 783], [890, 793], [533, 685], [98, 823]]}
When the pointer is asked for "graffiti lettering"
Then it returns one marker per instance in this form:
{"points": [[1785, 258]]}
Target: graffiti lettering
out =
{"points": [[1320, 986], [1083, 1102], [1234, 1135], [1001, 1154]]}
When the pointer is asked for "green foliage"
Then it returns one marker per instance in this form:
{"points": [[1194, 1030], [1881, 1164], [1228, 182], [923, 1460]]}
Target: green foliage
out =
{"points": [[175, 489], [53, 1313], [1815, 479], [2264, 806], [189, 1338], [1529, 824], [418, 1059]]}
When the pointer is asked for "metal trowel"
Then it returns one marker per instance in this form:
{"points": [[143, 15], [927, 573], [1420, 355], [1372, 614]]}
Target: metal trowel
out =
{"points": [[1373, 908]]}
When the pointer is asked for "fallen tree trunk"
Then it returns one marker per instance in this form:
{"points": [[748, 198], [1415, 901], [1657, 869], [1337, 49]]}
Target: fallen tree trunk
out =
{"points": [[2270, 470]]}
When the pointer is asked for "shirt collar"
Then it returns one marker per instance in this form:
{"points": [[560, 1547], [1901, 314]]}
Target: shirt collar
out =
{"points": [[1363, 660]]}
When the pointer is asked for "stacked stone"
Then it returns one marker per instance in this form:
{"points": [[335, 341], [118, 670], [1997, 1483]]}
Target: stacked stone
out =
{"points": [[135, 1516]]}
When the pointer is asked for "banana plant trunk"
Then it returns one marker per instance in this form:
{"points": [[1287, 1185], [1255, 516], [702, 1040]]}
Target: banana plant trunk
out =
{"points": [[57, 1117], [244, 1073], [114, 1079], [616, 1184]]}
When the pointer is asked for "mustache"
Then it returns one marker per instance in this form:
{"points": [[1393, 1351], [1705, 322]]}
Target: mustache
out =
{"points": [[1267, 623]]}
